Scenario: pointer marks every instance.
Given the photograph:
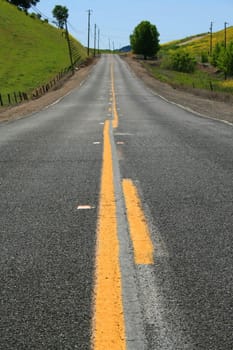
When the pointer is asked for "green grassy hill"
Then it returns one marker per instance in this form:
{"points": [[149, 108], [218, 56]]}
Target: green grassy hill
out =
{"points": [[32, 51]]}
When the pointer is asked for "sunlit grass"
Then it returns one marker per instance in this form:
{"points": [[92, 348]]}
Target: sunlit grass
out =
{"points": [[197, 80], [200, 43], [32, 51], [199, 47]]}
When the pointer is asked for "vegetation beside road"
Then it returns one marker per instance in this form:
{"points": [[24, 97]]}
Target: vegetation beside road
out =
{"points": [[196, 62], [32, 51]]}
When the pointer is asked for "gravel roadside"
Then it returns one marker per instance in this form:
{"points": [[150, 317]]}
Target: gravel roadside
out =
{"points": [[201, 102]]}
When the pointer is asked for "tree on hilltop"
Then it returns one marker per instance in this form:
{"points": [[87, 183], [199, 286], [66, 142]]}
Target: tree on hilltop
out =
{"points": [[145, 39], [24, 4], [61, 14]]}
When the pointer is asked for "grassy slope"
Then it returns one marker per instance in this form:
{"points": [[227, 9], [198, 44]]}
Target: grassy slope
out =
{"points": [[201, 78], [202, 44], [32, 52]]}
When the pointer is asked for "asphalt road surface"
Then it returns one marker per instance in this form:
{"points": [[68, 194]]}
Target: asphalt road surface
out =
{"points": [[116, 222]]}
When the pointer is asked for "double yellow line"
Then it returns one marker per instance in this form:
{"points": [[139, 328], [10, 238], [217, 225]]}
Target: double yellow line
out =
{"points": [[108, 321], [109, 329]]}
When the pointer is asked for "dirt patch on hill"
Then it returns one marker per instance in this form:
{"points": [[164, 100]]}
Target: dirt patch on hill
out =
{"points": [[211, 104], [191, 40]]}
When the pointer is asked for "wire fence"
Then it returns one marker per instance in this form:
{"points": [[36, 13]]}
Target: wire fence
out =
{"points": [[17, 97]]}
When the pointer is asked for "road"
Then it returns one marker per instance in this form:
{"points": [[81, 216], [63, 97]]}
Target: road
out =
{"points": [[116, 222]]}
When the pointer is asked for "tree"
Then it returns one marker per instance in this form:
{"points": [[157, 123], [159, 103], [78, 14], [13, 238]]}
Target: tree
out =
{"points": [[61, 15], [216, 52], [145, 39], [225, 59], [222, 58], [24, 4]]}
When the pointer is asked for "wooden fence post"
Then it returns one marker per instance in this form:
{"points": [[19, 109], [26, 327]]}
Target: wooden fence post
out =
{"points": [[16, 101]]}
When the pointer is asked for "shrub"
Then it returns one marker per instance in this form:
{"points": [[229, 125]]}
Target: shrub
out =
{"points": [[181, 61], [204, 57], [33, 15], [215, 54], [225, 59], [222, 58]]}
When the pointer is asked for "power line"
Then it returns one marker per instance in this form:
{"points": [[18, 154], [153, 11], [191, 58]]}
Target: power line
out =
{"points": [[41, 13]]}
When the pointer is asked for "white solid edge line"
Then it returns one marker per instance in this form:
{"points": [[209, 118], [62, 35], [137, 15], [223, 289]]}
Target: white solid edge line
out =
{"points": [[177, 104], [67, 94], [190, 110]]}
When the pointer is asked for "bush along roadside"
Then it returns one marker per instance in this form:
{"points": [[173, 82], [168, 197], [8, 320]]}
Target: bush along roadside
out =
{"points": [[204, 77]]}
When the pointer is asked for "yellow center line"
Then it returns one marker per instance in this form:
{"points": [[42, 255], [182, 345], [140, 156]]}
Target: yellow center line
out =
{"points": [[108, 323], [115, 114], [143, 247]]}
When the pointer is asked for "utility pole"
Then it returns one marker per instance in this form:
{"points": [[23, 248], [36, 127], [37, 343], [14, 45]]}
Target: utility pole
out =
{"points": [[113, 46], [225, 34], [109, 44], [225, 41], [88, 35], [211, 37], [95, 40], [98, 41], [69, 47]]}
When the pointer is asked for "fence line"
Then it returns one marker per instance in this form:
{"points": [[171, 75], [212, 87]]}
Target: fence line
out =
{"points": [[18, 97]]}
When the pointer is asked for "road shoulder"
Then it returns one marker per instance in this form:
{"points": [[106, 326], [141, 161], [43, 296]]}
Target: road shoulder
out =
{"points": [[27, 108], [199, 104]]}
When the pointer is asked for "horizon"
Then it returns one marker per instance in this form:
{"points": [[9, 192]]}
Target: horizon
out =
{"points": [[173, 21]]}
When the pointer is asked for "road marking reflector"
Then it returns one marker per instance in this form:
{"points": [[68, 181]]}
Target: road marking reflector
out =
{"points": [[123, 134], [85, 207], [96, 143], [139, 231], [108, 321], [120, 143]]}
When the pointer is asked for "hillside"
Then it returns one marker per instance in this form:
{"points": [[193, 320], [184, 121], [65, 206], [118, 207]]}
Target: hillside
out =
{"points": [[32, 51], [203, 78], [200, 44]]}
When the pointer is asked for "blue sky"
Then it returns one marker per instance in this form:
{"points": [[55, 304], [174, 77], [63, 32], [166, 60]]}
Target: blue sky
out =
{"points": [[175, 19]]}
